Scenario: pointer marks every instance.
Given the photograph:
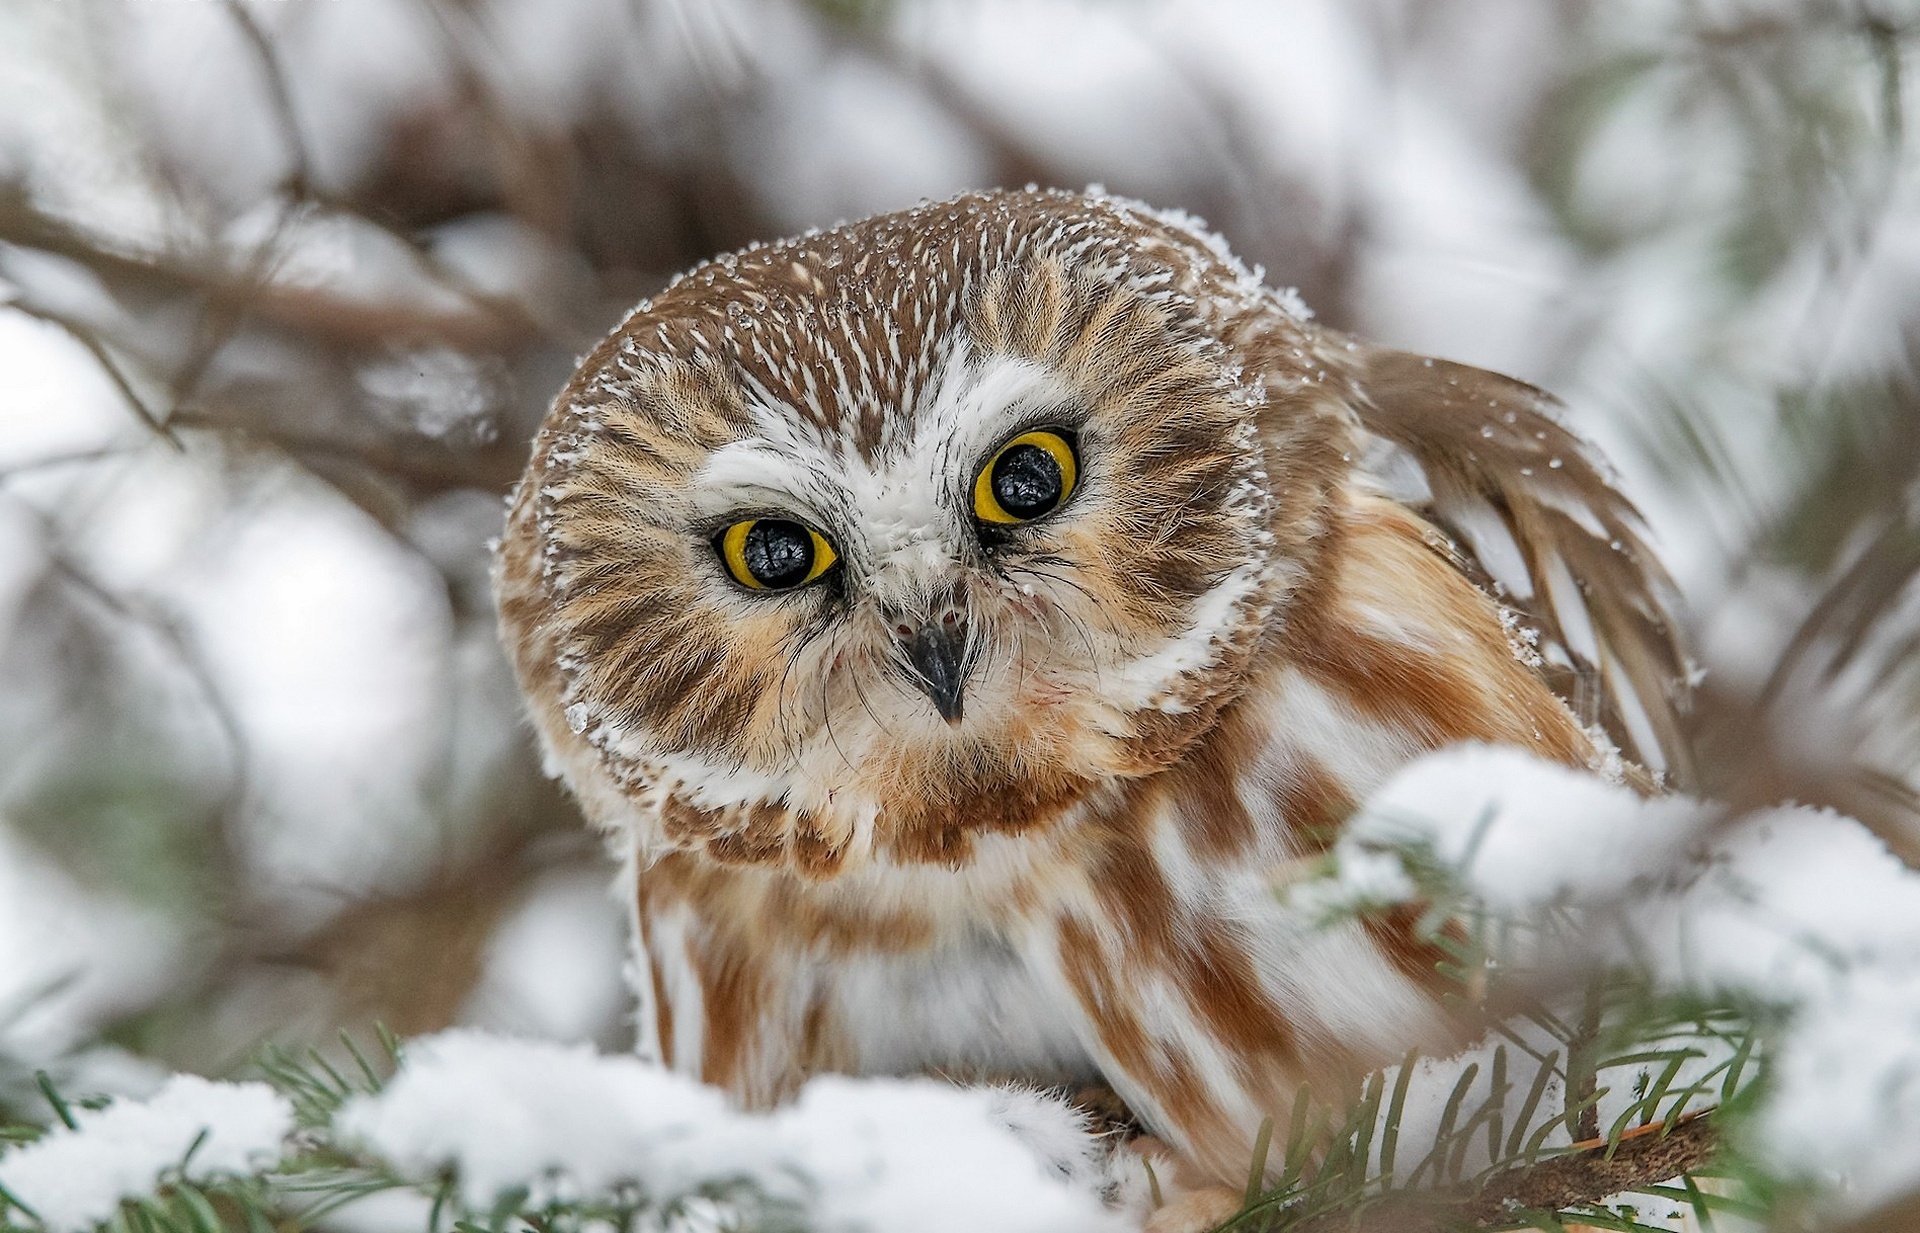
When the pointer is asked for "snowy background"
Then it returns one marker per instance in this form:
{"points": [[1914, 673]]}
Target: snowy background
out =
{"points": [[285, 285]]}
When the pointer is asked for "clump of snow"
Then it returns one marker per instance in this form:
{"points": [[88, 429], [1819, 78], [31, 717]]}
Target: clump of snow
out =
{"points": [[1800, 912], [1846, 1091], [437, 392], [561, 1121], [74, 1179], [1808, 910], [568, 1124], [1521, 833], [897, 1154]]}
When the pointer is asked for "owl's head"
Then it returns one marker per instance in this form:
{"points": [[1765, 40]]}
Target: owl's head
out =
{"points": [[866, 544]]}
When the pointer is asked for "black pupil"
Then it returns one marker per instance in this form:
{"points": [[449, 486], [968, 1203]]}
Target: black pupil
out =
{"points": [[1026, 481], [778, 554]]}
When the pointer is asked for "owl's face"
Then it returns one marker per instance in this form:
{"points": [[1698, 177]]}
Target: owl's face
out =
{"points": [[870, 542]]}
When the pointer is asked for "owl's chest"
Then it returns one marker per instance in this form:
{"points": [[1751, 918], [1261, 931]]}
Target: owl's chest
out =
{"points": [[969, 1006], [758, 979]]}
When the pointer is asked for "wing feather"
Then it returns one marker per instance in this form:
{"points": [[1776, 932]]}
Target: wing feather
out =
{"points": [[1540, 521]]}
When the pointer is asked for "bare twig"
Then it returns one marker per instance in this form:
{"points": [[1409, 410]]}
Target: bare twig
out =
{"points": [[324, 317], [279, 94], [187, 656], [108, 365]]}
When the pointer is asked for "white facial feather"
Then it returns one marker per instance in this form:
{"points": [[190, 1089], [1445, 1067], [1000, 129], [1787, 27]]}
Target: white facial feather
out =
{"points": [[907, 510]]}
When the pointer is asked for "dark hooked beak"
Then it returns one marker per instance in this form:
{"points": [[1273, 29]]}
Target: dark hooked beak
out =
{"points": [[937, 653]]}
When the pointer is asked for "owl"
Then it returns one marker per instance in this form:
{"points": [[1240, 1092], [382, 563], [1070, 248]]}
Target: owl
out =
{"points": [[967, 620]]}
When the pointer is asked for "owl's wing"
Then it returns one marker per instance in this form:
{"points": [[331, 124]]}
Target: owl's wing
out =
{"points": [[1537, 516]]}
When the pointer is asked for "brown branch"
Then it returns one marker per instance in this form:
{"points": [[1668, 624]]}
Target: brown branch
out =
{"points": [[424, 468], [1592, 1175], [1640, 1160], [321, 315], [220, 320]]}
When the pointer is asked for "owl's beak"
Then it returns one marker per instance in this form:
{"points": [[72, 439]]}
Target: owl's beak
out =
{"points": [[937, 652]]}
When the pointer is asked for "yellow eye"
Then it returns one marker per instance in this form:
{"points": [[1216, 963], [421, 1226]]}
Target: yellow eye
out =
{"points": [[1029, 476], [773, 554]]}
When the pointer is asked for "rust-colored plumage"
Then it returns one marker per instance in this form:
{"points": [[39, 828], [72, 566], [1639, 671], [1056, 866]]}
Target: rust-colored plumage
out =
{"points": [[1005, 801]]}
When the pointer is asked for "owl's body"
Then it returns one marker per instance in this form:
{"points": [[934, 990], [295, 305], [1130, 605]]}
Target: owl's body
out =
{"points": [[970, 618]]}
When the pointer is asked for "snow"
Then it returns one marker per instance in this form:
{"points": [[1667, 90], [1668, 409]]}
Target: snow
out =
{"points": [[895, 1154], [1081, 84], [1802, 914], [436, 392], [1366, 879], [567, 1123], [58, 134], [73, 1179], [1807, 910], [1524, 833]]}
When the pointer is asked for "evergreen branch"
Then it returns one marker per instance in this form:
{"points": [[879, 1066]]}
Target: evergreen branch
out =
{"points": [[1584, 1176]]}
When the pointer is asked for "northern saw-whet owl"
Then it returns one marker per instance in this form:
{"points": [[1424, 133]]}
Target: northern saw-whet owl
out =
{"points": [[968, 619]]}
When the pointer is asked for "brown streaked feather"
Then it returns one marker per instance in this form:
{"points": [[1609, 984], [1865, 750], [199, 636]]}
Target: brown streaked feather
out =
{"points": [[1447, 674], [1526, 499]]}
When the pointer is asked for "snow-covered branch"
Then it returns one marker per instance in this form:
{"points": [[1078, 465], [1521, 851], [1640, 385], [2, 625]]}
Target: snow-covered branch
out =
{"points": [[481, 1127], [1800, 918]]}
